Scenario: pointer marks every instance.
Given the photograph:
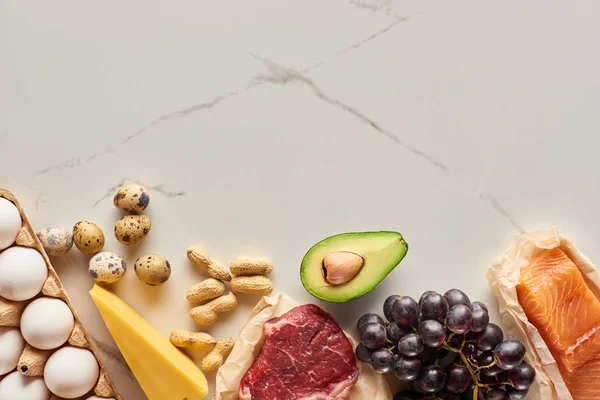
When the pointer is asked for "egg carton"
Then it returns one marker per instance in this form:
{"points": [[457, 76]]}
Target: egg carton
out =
{"points": [[32, 360]]}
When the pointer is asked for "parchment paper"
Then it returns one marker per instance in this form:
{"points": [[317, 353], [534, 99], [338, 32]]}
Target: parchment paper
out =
{"points": [[370, 384], [503, 278]]}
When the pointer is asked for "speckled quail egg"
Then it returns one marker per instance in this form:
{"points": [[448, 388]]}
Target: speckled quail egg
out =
{"points": [[88, 237], [152, 269], [132, 229], [23, 272], [56, 241], [19, 387], [132, 199], [107, 267], [10, 223], [71, 372]]}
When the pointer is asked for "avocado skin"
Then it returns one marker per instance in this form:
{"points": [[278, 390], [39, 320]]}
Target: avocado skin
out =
{"points": [[381, 250]]}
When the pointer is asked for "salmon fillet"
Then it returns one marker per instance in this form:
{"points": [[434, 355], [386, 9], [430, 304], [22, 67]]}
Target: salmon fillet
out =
{"points": [[557, 301]]}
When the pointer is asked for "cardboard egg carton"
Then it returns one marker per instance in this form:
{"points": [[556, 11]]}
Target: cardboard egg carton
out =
{"points": [[32, 360]]}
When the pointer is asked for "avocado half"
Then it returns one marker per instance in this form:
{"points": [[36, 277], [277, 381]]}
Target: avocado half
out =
{"points": [[381, 253]]}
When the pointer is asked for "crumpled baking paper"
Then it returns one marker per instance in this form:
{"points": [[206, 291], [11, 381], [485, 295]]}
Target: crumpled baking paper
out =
{"points": [[503, 278], [370, 384]]}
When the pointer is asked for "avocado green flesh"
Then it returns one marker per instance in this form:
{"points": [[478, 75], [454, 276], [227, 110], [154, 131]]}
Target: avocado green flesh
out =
{"points": [[381, 252]]}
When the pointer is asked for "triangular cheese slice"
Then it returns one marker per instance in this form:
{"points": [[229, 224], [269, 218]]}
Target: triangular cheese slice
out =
{"points": [[164, 372]]}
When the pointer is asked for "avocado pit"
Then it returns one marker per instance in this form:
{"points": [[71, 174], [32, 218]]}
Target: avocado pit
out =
{"points": [[340, 267]]}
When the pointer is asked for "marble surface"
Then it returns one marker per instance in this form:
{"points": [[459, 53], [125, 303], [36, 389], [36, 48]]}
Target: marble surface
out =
{"points": [[261, 127]]}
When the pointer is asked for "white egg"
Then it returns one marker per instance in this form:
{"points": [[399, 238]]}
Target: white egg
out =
{"points": [[71, 372], [99, 398], [10, 223], [19, 387], [47, 323], [23, 272], [11, 347]]}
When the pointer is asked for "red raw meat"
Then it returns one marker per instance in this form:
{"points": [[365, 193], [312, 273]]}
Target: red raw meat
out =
{"points": [[306, 356]]}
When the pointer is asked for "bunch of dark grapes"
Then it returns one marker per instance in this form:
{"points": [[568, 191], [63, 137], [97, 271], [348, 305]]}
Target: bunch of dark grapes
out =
{"points": [[445, 348]]}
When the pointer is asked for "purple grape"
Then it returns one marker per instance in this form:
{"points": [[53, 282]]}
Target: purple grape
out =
{"points": [[469, 350], [383, 360], [516, 394], [407, 369], [489, 338], [487, 358], [497, 394], [458, 378], [387, 306], [363, 353], [373, 336], [509, 354], [481, 319], [368, 318], [411, 345], [459, 319], [433, 333], [455, 297], [395, 332], [487, 379], [434, 306], [405, 311], [477, 305], [487, 376], [521, 376], [431, 379], [425, 294]]}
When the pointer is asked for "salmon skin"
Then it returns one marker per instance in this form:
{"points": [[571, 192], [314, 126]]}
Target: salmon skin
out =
{"points": [[557, 301]]}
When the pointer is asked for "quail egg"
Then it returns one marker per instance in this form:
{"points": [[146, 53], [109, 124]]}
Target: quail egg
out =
{"points": [[107, 267], [56, 241], [132, 229], [132, 199], [88, 237], [152, 269], [10, 223]]}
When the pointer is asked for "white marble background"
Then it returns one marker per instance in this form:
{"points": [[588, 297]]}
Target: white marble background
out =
{"points": [[263, 126]]}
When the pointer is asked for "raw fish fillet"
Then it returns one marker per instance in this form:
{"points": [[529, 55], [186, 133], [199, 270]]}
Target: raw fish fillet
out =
{"points": [[557, 301]]}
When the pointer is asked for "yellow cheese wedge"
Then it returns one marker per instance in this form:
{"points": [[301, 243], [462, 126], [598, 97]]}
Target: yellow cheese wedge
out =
{"points": [[164, 372]]}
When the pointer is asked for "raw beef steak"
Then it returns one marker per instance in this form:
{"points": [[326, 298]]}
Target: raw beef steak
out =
{"points": [[306, 355]]}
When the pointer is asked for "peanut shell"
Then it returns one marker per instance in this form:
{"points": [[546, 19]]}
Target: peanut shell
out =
{"points": [[243, 266], [257, 284]]}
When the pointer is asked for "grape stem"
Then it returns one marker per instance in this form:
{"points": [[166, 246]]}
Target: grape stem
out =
{"points": [[468, 365], [486, 366]]}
